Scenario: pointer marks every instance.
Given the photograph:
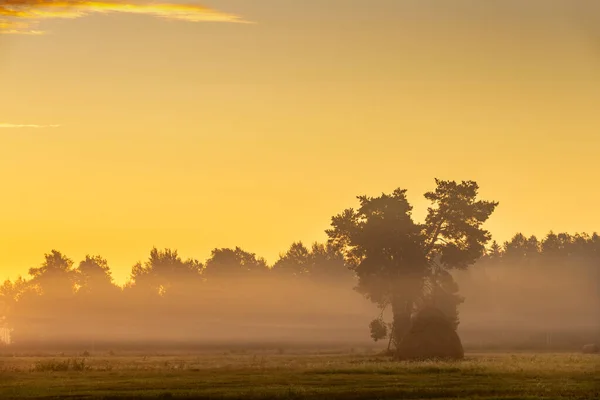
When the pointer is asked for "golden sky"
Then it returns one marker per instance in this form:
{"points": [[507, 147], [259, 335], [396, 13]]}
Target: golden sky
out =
{"points": [[129, 125]]}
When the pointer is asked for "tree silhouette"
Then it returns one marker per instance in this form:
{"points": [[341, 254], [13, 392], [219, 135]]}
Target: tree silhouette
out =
{"points": [[45, 302], [526, 270], [94, 277], [401, 263], [397, 263], [56, 276], [327, 265], [232, 263], [295, 262], [522, 248], [322, 263], [22, 302], [165, 271], [10, 294], [11, 291]]}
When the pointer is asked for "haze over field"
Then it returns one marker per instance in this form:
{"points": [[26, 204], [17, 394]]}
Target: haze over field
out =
{"points": [[528, 293], [249, 123]]}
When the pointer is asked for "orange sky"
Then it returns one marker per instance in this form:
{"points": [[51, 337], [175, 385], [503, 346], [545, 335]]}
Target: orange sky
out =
{"points": [[195, 135]]}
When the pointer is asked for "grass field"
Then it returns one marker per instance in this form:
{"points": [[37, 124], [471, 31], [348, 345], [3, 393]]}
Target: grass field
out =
{"points": [[316, 375]]}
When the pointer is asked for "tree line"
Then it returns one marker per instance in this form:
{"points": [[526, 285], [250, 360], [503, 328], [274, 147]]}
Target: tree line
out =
{"points": [[378, 249], [552, 280], [166, 287]]}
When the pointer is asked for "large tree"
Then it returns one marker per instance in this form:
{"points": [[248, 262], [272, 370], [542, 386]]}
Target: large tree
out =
{"points": [[404, 264]]}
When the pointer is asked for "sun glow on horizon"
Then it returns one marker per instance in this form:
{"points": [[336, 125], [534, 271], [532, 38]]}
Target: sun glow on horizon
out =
{"points": [[194, 136]]}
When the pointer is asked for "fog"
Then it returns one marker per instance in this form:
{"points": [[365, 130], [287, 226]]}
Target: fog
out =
{"points": [[504, 306], [519, 305], [252, 310]]}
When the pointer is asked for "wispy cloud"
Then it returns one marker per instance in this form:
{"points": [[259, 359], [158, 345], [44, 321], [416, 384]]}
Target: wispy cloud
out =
{"points": [[20, 16], [17, 126]]}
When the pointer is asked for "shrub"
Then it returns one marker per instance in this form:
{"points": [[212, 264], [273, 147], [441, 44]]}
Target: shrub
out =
{"points": [[70, 364]]}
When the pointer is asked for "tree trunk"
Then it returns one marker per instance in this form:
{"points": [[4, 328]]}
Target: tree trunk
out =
{"points": [[390, 341], [401, 310]]}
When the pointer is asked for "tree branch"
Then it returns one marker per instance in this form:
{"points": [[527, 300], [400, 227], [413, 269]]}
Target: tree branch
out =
{"points": [[434, 238]]}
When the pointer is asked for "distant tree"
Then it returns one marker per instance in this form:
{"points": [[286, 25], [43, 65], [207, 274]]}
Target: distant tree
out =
{"points": [[20, 299], [495, 251], [232, 263], [165, 271], [569, 262], [44, 305], [10, 293], [551, 245], [56, 276], [295, 262], [595, 246], [561, 248], [327, 265], [94, 276], [321, 263], [521, 248], [401, 263]]}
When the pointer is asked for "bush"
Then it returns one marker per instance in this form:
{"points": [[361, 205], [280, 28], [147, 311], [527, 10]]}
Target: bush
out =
{"points": [[431, 336], [379, 329], [70, 364]]}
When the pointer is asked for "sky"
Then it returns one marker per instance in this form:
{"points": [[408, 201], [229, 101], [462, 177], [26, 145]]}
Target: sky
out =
{"points": [[125, 126]]}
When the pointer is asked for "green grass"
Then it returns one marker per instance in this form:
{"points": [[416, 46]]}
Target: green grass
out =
{"points": [[299, 376]]}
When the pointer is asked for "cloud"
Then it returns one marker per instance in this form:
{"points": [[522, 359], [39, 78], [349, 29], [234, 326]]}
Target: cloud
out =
{"points": [[16, 126], [20, 16]]}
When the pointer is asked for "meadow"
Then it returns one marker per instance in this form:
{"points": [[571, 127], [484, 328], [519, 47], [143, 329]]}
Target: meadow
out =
{"points": [[296, 374]]}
